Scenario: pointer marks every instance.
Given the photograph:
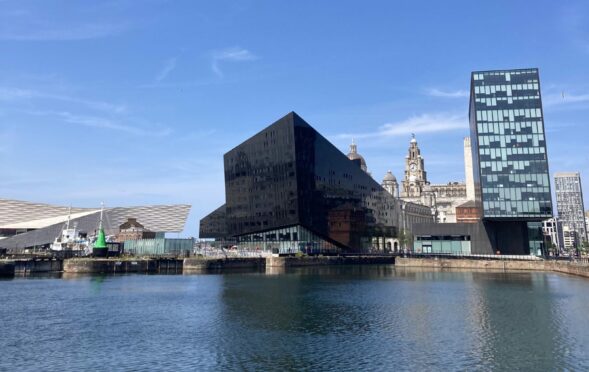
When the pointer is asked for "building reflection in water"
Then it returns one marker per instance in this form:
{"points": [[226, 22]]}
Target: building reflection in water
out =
{"points": [[379, 315]]}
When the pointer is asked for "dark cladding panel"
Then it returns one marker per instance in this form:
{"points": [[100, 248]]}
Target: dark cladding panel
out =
{"points": [[214, 225], [337, 199], [260, 181]]}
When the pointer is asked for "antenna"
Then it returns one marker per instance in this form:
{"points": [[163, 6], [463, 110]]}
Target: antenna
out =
{"points": [[69, 215], [101, 211]]}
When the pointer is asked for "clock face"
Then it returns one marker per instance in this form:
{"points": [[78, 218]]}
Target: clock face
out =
{"points": [[412, 166]]}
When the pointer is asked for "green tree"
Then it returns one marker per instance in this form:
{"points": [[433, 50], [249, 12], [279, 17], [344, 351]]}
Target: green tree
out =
{"points": [[406, 239]]}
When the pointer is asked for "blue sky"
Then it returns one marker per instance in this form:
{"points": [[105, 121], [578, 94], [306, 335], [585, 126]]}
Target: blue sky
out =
{"points": [[133, 103]]}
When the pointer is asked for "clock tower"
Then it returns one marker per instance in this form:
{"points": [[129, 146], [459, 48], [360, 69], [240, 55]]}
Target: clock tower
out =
{"points": [[415, 175]]}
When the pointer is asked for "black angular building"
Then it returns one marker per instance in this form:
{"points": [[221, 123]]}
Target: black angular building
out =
{"points": [[290, 189]]}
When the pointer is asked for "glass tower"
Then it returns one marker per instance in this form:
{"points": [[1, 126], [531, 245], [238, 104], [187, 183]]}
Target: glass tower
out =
{"points": [[511, 177], [569, 203]]}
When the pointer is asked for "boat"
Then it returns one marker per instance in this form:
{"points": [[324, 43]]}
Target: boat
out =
{"points": [[71, 239]]}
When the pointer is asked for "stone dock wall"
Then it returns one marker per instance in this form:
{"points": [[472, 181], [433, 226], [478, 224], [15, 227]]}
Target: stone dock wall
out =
{"points": [[327, 261], [565, 267], [26, 266], [214, 264], [6, 269], [115, 266], [11, 268]]}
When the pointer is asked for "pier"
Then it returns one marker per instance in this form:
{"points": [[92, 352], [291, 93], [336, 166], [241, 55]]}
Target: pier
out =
{"points": [[273, 264]]}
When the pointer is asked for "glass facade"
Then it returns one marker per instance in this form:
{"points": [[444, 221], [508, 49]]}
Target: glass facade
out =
{"points": [[452, 244], [290, 239], [288, 177], [569, 203], [507, 128]]}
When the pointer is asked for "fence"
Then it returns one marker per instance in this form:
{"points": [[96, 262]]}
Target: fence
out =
{"points": [[158, 247], [229, 253], [473, 256]]}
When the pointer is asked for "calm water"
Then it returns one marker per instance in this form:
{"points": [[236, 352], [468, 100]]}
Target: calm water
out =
{"points": [[354, 318]]}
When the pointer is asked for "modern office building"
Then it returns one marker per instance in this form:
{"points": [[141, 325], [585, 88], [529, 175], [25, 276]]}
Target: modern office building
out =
{"points": [[510, 165], [289, 189], [509, 157], [569, 204]]}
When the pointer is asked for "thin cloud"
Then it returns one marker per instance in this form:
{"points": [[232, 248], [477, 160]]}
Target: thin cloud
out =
{"points": [[60, 33], [105, 123], [564, 98], [230, 55], [16, 94], [434, 92], [424, 123], [102, 123], [167, 68]]}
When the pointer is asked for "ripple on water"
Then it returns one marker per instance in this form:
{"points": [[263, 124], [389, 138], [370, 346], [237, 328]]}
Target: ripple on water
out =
{"points": [[349, 319]]}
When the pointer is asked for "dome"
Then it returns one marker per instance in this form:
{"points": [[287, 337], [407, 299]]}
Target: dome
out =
{"points": [[389, 177], [354, 156]]}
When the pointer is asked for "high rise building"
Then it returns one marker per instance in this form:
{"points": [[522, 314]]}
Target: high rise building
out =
{"points": [[510, 171], [569, 203], [512, 185], [468, 172]]}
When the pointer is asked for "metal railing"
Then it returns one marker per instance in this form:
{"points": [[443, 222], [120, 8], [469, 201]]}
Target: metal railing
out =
{"points": [[471, 256], [211, 252]]}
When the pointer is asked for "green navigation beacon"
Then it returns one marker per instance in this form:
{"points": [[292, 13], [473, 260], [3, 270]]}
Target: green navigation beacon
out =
{"points": [[100, 249]]}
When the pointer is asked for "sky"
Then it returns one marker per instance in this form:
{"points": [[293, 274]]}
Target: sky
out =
{"points": [[135, 103]]}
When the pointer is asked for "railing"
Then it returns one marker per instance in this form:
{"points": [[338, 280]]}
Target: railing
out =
{"points": [[471, 256], [573, 259], [229, 253]]}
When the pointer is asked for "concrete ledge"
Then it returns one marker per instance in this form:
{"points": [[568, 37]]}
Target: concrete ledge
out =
{"points": [[208, 264], [540, 265]]}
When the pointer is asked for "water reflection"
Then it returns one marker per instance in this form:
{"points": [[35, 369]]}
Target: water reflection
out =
{"points": [[378, 314], [316, 318]]}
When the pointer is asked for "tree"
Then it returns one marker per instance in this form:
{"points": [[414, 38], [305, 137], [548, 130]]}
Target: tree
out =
{"points": [[406, 239]]}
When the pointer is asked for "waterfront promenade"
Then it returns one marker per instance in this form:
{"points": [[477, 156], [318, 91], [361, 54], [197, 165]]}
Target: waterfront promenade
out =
{"points": [[249, 261]]}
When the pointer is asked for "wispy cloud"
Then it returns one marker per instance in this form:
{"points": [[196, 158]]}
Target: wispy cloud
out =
{"points": [[434, 92], [167, 68], [103, 123], [564, 98], [230, 55], [16, 94], [61, 33], [424, 123]]}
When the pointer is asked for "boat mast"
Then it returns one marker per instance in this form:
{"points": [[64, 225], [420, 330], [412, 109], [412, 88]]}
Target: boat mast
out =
{"points": [[69, 215], [101, 212]]}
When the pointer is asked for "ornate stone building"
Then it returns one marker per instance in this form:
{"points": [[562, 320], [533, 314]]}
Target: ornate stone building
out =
{"points": [[355, 157], [415, 188], [415, 174], [389, 182]]}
